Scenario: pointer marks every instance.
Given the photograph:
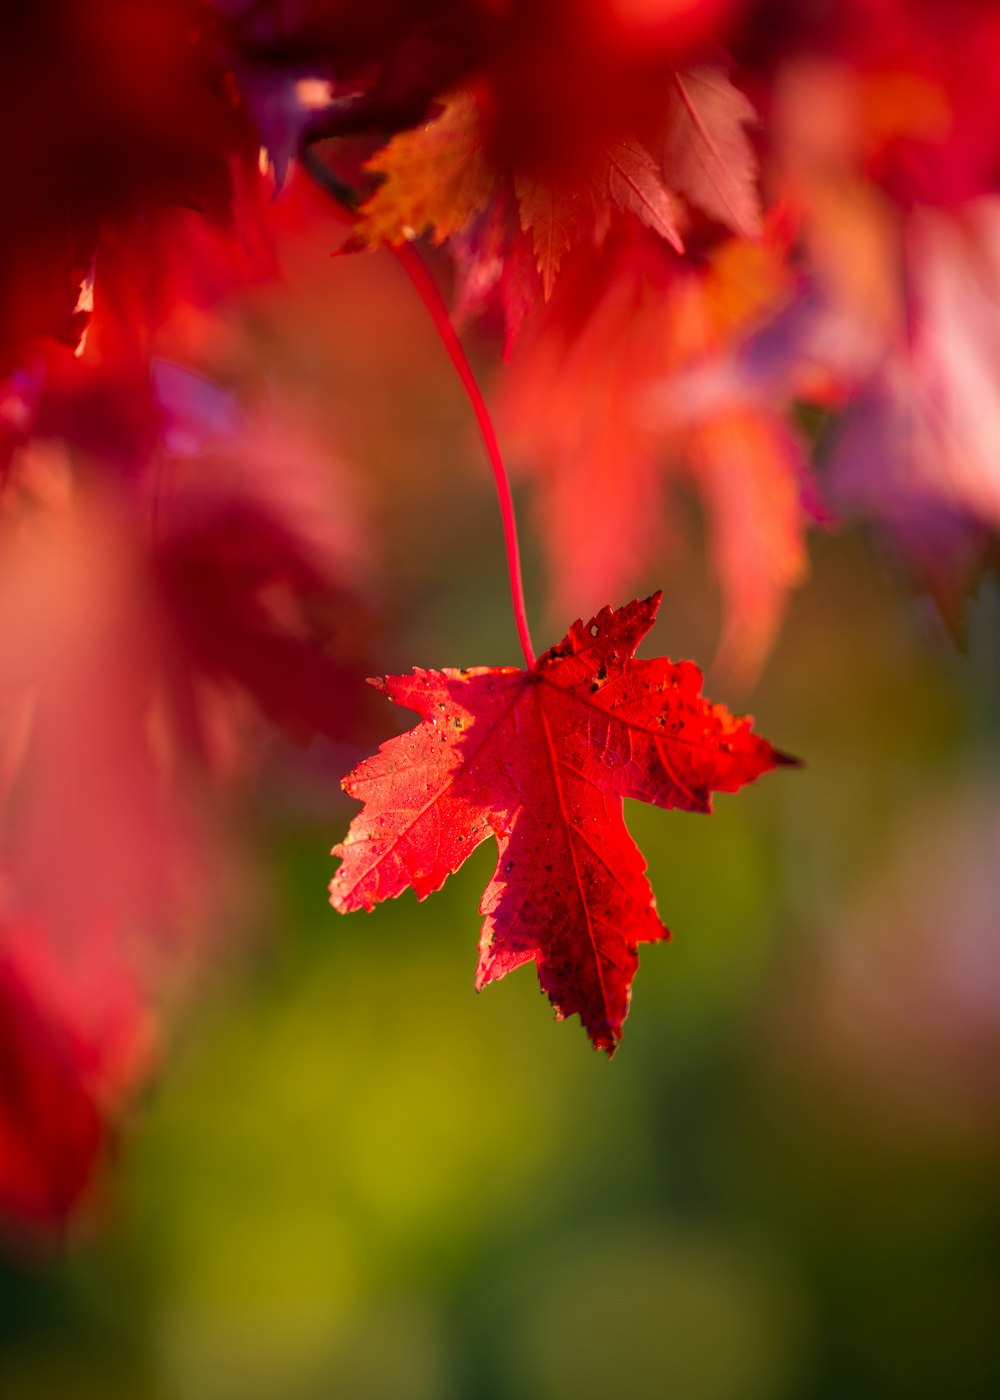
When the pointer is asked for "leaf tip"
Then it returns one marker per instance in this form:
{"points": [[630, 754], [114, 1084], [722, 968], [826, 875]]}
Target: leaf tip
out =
{"points": [[337, 899], [605, 1039]]}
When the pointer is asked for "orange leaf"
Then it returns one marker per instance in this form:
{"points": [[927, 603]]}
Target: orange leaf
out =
{"points": [[436, 177]]}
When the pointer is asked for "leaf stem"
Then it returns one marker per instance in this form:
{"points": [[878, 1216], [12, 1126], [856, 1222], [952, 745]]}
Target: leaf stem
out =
{"points": [[416, 270], [426, 288]]}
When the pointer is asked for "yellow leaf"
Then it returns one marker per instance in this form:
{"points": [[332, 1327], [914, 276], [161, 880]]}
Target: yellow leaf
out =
{"points": [[436, 177]]}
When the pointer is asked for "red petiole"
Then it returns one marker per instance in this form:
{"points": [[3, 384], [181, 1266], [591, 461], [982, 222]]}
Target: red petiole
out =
{"points": [[416, 270], [425, 286]]}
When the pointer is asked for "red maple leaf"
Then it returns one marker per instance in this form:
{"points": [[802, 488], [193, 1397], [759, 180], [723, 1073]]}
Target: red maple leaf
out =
{"points": [[513, 204], [541, 760]]}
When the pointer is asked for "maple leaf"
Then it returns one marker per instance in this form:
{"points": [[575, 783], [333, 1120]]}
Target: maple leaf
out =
{"points": [[541, 760], [630, 181], [707, 155], [435, 178], [552, 214]]}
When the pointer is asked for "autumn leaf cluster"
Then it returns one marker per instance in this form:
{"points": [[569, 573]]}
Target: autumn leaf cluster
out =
{"points": [[680, 222]]}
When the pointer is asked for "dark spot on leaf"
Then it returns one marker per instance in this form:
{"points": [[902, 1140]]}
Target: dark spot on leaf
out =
{"points": [[600, 678]]}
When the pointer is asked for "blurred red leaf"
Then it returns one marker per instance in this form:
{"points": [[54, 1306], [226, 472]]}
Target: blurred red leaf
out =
{"points": [[257, 557], [115, 112], [541, 760], [707, 154], [505, 157], [75, 1041], [50, 1128], [170, 574], [437, 176], [600, 400], [630, 181], [85, 795], [433, 178]]}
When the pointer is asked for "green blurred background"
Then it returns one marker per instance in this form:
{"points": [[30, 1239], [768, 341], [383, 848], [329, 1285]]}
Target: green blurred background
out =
{"points": [[358, 1179]]}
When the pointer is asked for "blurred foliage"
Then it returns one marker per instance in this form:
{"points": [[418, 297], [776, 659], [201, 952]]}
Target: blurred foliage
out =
{"points": [[358, 1179]]}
